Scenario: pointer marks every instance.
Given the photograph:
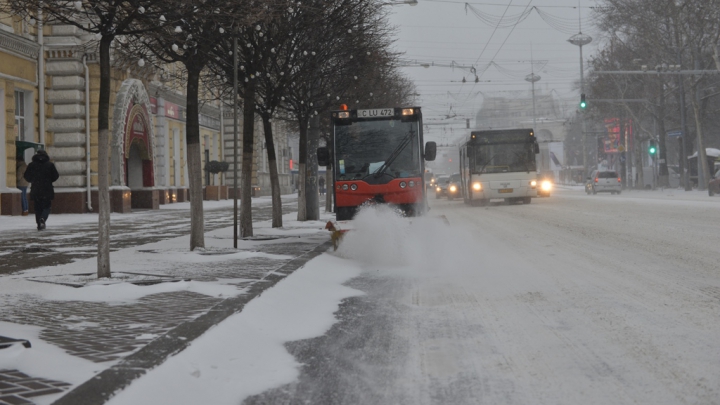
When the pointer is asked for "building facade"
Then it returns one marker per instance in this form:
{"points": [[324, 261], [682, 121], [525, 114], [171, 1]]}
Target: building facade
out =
{"points": [[49, 93]]}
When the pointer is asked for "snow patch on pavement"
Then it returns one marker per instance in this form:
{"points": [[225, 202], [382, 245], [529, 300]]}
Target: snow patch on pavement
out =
{"points": [[245, 354]]}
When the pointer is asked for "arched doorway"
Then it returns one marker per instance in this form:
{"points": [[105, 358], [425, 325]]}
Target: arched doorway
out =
{"points": [[134, 167]]}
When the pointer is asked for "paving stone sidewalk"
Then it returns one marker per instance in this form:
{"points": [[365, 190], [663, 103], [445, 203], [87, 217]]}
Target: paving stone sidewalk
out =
{"points": [[102, 333]]}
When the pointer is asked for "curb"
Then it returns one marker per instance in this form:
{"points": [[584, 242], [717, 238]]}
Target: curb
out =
{"points": [[104, 385]]}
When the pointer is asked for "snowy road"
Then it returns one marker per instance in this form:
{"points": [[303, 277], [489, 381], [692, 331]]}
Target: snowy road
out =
{"points": [[574, 299]]}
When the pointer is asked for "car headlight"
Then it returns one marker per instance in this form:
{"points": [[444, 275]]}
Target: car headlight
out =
{"points": [[437, 189], [453, 189], [546, 185], [477, 186]]}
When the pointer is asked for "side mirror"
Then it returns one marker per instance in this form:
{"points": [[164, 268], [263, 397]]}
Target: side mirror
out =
{"points": [[430, 151], [323, 156]]}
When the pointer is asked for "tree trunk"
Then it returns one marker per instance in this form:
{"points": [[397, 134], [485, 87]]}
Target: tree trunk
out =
{"points": [[274, 180], [103, 259], [703, 170], [197, 223], [302, 161], [246, 228], [312, 206], [637, 151]]}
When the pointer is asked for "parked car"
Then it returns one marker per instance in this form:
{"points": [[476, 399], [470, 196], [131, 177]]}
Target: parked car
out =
{"points": [[441, 186], [453, 188], [714, 184], [603, 182], [545, 184]]}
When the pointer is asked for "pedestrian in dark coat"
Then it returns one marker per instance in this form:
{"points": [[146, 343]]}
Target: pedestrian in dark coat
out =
{"points": [[41, 173], [21, 183]]}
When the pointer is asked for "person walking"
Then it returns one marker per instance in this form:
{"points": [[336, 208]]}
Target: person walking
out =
{"points": [[41, 173], [21, 183], [321, 183]]}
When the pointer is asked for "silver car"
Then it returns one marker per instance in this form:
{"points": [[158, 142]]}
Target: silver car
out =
{"points": [[603, 182]]}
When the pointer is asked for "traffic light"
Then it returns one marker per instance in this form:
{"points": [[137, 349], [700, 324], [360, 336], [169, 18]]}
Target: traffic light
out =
{"points": [[583, 104], [652, 148]]}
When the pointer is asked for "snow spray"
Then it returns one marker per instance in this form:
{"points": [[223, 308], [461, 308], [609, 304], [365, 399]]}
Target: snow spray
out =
{"points": [[383, 240]]}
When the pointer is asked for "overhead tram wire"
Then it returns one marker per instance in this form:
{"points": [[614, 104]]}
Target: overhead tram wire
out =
{"points": [[496, 4], [483, 51], [501, 45]]}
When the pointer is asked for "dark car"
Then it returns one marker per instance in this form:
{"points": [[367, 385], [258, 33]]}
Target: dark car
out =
{"points": [[453, 188], [441, 186], [714, 184]]}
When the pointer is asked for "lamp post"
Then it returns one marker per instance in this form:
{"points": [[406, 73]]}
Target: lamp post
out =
{"points": [[235, 141], [532, 78], [581, 39]]}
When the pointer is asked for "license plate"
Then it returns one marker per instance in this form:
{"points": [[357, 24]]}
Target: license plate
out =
{"points": [[505, 190], [377, 112]]}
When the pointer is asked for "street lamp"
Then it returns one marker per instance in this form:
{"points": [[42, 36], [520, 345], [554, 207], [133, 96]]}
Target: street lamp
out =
{"points": [[579, 40], [532, 78]]}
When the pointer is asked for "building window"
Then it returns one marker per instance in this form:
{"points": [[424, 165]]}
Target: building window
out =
{"points": [[23, 115]]}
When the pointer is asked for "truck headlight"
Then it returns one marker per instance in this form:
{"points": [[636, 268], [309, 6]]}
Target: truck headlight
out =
{"points": [[546, 185]]}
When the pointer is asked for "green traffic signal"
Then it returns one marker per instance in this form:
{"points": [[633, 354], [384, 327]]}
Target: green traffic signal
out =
{"points": [[583, 104], [652, 149]]}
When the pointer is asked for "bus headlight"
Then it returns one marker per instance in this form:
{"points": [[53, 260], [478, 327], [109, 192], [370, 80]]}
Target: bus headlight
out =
{"points": [[411, 183], [344, 187], [477, 186], [402, 184], [546, 185], [353, 187], [453, 189], [533, 183]]}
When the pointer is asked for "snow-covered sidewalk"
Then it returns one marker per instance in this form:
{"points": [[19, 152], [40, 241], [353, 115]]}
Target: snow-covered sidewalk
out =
{"points": [[78, 333]]}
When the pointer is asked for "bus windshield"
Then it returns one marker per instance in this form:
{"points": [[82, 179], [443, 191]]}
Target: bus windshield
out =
{"points": [[504, 158], [377, 147]]}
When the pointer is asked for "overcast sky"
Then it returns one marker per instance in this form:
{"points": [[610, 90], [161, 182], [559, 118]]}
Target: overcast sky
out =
{"points": [[446, 32]]}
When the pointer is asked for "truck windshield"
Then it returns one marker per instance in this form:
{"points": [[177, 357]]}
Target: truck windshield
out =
{"points": [[367, 147], [504, 158]]}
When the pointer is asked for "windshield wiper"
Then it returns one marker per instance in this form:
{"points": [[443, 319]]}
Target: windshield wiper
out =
{"points": [[394, 154], [482, 169], [523, 160]]}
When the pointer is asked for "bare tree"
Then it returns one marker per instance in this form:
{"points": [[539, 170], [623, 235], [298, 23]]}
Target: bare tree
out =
{"points": [[107, 19], [191, 41]]}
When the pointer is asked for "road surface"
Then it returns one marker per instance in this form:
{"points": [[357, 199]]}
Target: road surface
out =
{"points": [[573, 299]]}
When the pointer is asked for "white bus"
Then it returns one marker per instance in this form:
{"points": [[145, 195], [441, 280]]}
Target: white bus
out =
{"points": [[499, 164]]}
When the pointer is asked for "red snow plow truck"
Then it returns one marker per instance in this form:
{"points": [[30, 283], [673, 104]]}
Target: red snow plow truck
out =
{"points": [[377, 156]]}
